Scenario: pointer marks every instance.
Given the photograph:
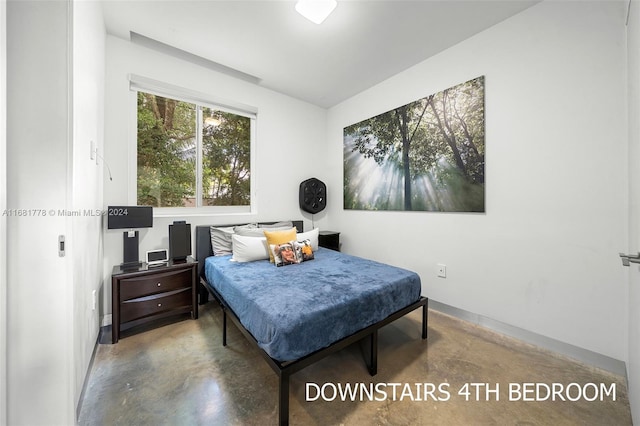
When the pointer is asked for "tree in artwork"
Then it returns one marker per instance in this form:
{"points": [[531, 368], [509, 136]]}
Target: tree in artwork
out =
{"points": [[427, 155]]}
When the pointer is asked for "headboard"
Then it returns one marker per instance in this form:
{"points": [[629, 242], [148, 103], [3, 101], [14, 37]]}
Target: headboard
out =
{"points": [[203, 240]]}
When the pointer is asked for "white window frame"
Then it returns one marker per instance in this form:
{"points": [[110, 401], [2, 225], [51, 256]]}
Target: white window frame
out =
{"points": [[143, 84]]}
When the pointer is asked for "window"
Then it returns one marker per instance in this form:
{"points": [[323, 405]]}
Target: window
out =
{"points": [[192, 154]]}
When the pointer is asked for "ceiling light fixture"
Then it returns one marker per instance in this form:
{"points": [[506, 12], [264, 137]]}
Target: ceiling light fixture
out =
{"points": [[316, 10]]}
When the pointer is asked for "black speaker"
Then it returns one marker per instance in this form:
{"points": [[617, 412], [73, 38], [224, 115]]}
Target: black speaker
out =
{"points": [[313, 195], [130, 256], [179, 241]]}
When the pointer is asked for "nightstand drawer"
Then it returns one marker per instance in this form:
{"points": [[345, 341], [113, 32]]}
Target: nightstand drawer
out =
{"points": [[132, 288], [155, 304]]}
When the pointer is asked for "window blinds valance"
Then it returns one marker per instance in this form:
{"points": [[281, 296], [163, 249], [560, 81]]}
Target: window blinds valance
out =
{"points": [[149, 85]]}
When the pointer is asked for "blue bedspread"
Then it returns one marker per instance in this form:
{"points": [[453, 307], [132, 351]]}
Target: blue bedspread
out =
{"points": [[297, 309]]}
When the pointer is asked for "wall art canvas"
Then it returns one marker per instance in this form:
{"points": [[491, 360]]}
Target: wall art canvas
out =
{"points": [[428, 155]]}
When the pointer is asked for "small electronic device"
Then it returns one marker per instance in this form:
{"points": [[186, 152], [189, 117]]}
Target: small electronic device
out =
{"points": [[157, 257]]}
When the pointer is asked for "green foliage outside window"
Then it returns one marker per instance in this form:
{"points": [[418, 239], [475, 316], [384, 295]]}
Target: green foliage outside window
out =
{"points": [[227, 153], [168, 145]]}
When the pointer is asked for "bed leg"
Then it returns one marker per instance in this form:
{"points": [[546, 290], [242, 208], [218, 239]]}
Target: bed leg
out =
{"points": [[283, 400], [224, 327], [373, 353], [425, 308]]}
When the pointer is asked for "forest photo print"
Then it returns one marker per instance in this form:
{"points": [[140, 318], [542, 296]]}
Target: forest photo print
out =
{"points": [[428, 155]]}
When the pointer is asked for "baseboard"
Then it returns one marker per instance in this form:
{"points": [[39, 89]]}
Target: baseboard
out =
{"points": [[585, 356], [86, 379]]}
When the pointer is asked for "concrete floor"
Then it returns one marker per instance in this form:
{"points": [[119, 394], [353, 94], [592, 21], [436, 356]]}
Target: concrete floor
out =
{"points": [[180, 374]]}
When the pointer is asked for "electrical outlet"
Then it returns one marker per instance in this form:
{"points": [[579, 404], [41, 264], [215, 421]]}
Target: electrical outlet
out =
{"points": [[92, 146], [93, 303], [441, 270]]}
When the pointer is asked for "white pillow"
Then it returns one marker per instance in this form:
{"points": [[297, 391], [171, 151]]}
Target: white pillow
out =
{"points": [[248, 249], [310, 235]]}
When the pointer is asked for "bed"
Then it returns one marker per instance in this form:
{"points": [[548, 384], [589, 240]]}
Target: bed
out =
{"points": [[299, 314]]}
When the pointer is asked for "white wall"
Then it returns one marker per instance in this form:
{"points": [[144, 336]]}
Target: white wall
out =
{"points": [[290, 141], [633, 75], [544, 257], [3, 206], [39, 288], [89, 36], [53, 117]]}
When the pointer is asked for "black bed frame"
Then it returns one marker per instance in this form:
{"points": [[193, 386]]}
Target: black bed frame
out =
{"points": [[285, 369]]}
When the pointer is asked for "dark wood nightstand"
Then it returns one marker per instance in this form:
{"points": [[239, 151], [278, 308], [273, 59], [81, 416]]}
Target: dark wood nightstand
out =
{"points": [[148, 293], [329, 239]]}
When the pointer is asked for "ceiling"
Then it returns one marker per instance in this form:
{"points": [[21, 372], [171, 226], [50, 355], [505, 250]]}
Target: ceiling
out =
{"points": [[267, 42]]}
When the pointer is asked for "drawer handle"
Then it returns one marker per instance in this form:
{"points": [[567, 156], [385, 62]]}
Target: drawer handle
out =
{"points": [[159, 284], [159, 305]]}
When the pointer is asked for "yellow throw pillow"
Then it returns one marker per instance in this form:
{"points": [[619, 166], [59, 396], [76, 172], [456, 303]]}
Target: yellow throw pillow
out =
{"points": [[279, 237]]}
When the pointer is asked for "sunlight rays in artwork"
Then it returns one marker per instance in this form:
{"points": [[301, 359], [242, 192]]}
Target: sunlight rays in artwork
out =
{"points": [[427, 155], [381, 187]]}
